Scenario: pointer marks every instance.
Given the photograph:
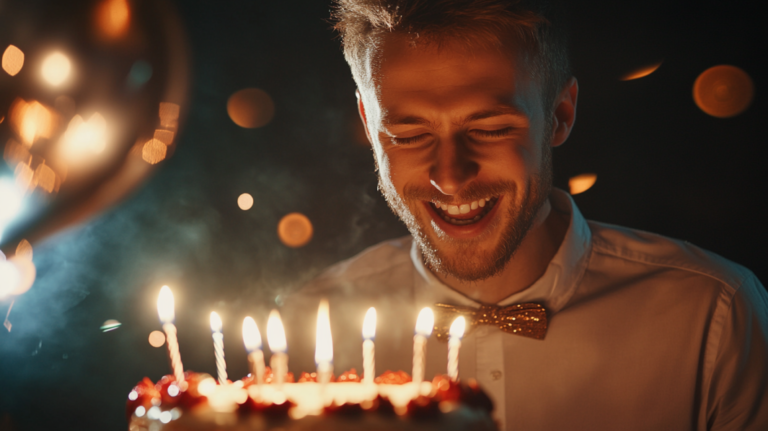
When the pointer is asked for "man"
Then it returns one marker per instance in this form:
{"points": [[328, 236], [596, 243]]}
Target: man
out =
{"points": [[463, 101]]}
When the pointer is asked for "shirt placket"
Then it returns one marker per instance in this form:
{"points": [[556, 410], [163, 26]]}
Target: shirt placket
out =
{"points": [[490, 368]]}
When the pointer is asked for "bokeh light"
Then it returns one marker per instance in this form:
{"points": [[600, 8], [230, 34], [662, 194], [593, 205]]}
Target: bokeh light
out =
{"points": [[723, 91], [13, 60], [245, 201], [24, 250], [250, 108], [154, 151], [581, 183], [110, 325], [17, 275], [9, 278], [11, 201], [83, 137], [641, 72], [156, 339], [31, 120], [45, 178], [56, 68], [295, 230], [113, 18]]}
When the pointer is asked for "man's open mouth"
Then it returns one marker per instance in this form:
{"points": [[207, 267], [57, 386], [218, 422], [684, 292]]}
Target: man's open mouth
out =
{"points": [[464, 213]]}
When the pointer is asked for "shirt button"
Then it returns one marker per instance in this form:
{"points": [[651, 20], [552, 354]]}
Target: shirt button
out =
{"points": [[496, 374]]}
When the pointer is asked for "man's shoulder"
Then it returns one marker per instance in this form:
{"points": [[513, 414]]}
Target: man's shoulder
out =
{"points": [[650, 249], [381, 262]]}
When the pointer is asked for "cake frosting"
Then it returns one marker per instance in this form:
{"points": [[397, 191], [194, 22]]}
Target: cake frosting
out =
{"points": [[346, 403]]}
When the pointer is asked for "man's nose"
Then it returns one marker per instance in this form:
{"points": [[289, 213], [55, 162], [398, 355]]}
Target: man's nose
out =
{"points": [[453, 167]]}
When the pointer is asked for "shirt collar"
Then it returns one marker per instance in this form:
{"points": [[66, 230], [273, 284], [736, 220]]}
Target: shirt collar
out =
{"points": [[552, 290]]}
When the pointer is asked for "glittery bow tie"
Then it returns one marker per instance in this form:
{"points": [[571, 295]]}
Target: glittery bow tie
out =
{"points": [[528, 320]]}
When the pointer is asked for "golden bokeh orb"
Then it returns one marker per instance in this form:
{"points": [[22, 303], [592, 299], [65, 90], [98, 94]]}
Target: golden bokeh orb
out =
{"points": [[250, 108], [245, 201], [581, 183], [295, 230], [13, 60], [723, 91], [56, 68], [156, 339]]}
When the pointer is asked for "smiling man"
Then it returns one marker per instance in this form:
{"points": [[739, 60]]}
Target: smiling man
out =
{"points": [[573, 324]]}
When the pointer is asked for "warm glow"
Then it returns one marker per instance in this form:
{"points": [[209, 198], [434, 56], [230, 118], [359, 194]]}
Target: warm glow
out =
{"points": [[323, 339], [44, 177], [24, 250], [154, 151], [13, 60], [369, 324], [16, 276], [295, 230], [31, 120], [251, 335], [113, 17], [56, 68], [10, 278], [641, 72], [164, 136], [581, 183], [85, 136], [206, 386], [169, 114], [165, 305], [156, 339], [457, 327], [425, 322], [11, 200], [723, 91], [215, 322], [250, 108], [245, 201], [276, 333], [15, 153], [24, 176]]}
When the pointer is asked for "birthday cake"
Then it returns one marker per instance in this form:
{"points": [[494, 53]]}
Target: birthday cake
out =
{"points": [[393, 402]]}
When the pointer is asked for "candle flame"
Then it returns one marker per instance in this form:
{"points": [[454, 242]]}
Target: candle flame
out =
{"points": [[165, 305], [425, 322], [457, 327], [276, 333], [323, 340], [251, 335], [215, 322], [369, 324]]}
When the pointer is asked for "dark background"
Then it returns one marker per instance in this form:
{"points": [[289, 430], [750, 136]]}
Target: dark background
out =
{"points": [[662, 164]]}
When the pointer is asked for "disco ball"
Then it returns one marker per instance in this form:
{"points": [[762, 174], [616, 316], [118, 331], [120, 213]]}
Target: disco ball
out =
{"points": [[91, 96]]}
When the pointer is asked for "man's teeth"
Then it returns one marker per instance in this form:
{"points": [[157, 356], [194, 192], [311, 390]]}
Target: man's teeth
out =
{"points": [[464, 208]]}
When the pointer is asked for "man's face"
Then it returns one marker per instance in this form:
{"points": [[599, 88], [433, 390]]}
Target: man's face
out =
{"points": [[459, 139]]}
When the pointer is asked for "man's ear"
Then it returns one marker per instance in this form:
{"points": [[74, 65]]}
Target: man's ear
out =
{"points": [[565, 112], [361, 111]]}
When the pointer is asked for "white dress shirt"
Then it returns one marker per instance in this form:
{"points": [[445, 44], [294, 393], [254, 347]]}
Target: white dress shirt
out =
{"points": [[645, 332]]}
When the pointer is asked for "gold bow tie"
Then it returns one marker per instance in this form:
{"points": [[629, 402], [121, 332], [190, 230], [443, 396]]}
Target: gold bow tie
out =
{"points": [[528, 320]]}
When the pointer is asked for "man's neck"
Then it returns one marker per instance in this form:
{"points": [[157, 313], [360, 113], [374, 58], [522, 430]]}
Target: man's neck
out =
{"points": [[527, 265]]}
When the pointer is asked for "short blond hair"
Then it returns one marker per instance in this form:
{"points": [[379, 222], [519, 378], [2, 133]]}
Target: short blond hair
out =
{"points": [[534, 24]]}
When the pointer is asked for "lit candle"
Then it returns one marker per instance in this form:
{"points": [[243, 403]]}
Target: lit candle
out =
{"points": [[218, 348], [424, 324], [454, 344], [165, 308], [323, 344], [369, 332], [252, 340], [278, 346]]}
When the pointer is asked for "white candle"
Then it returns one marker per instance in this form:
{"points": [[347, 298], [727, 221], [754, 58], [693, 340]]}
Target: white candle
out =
{"points": [[218, 348], [278, 346], [252, 341], [165, 308], [454, 344], [323, 344], [424, 324], [369, 333]]}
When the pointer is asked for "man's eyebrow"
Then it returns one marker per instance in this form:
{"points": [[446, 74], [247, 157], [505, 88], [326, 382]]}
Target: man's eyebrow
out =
{"points": [[481, 115]]}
